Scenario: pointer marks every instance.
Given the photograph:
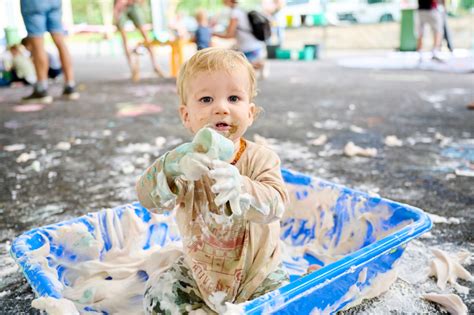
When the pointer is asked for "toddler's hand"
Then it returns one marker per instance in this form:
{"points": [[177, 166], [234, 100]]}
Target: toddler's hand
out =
{"points": [[173, 158], [228, 185], [194, 165]]}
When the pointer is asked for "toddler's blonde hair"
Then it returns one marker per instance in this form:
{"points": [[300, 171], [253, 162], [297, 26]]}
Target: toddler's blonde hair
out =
{"points": [[212, 59], [201, 16]]}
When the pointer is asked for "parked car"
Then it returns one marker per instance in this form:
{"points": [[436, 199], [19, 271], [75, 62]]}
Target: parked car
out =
{"points": [[352, 11], [364, 11]]}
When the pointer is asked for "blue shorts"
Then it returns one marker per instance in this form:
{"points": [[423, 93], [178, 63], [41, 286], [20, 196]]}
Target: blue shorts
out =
{"points": [[253, 55], [42, 16]]}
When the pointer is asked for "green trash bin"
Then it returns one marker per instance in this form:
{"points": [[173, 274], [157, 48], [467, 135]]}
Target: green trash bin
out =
{"points": [[12, 36], [408, 38], [319, 19], [312, 50], [271, 51], [283, 53], [307, 54]]}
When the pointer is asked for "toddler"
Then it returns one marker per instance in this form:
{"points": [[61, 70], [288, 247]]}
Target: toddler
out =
{"points": [[22, 68], [203, 34], [54, 64], [227, 192]]}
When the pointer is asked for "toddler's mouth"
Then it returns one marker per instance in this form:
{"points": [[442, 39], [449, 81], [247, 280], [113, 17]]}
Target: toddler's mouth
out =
{"points": [[222, 126]]}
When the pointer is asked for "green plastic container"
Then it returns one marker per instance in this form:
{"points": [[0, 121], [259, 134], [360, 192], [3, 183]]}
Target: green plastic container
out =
{"points": [[319, 19], [12, 36], [313, 49], [283, 53], [307, 54]]}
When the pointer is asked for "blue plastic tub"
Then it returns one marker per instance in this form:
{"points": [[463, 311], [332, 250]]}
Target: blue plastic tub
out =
{"points": [[355, 238]]}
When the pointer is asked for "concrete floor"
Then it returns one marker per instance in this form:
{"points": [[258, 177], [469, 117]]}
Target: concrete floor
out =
{"points": [[301, 100]]}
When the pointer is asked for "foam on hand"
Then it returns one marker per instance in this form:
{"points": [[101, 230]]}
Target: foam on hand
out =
{"points": [[213, 144]]}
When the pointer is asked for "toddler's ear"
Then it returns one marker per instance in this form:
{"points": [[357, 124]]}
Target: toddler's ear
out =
{"points": [[253, 112], [184, 114]]}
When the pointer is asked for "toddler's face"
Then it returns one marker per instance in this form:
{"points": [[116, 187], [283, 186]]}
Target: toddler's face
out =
{"points": [[219, 100]]}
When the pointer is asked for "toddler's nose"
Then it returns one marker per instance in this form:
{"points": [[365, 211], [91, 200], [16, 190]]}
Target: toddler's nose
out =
{"points": [[221, 108]]}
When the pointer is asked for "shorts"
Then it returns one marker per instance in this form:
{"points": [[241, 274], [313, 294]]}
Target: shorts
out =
{"points": [[174, 291], [133, 12], [42, 16], [254, 55], [432, 18]]}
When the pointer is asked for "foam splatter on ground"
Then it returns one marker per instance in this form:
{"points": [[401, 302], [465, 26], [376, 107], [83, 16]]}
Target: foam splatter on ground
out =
{"points": [[80, 157]]}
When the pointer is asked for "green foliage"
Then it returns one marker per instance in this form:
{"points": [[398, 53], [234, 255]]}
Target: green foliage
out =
{"points": [[213, 6], [190, 6], [86, 12], [91, 11], [467, 4]]}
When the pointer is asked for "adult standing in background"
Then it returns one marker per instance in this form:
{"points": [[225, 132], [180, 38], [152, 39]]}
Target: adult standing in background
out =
{"points": [[131, 9], [42, 16], [274, 8], [239, 28], [428, 13]]}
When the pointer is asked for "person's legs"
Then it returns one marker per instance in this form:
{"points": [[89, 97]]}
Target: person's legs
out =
{"points": [[65, 57], [447, 33], [40, 61], [434, 20], [34, 17], [136, 15], [40, 58], [421, 27], [152, 54], [128, 55], [55, 28], [438, 36], [275, 280], [437, 41], [256, 58], [120, 24], [173, 291], [419, 43], [133, 66]]}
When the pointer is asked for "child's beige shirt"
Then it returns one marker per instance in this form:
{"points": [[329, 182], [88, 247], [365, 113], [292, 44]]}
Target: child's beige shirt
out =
{"points": [[228, 254]]}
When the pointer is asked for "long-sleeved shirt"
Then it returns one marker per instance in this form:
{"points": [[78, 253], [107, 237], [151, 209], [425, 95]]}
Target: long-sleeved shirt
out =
{"points": [[225, 253]]}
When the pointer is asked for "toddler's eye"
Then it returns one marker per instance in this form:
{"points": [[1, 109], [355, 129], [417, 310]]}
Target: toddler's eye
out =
{"points": [[205, 99], [234, 98]]}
